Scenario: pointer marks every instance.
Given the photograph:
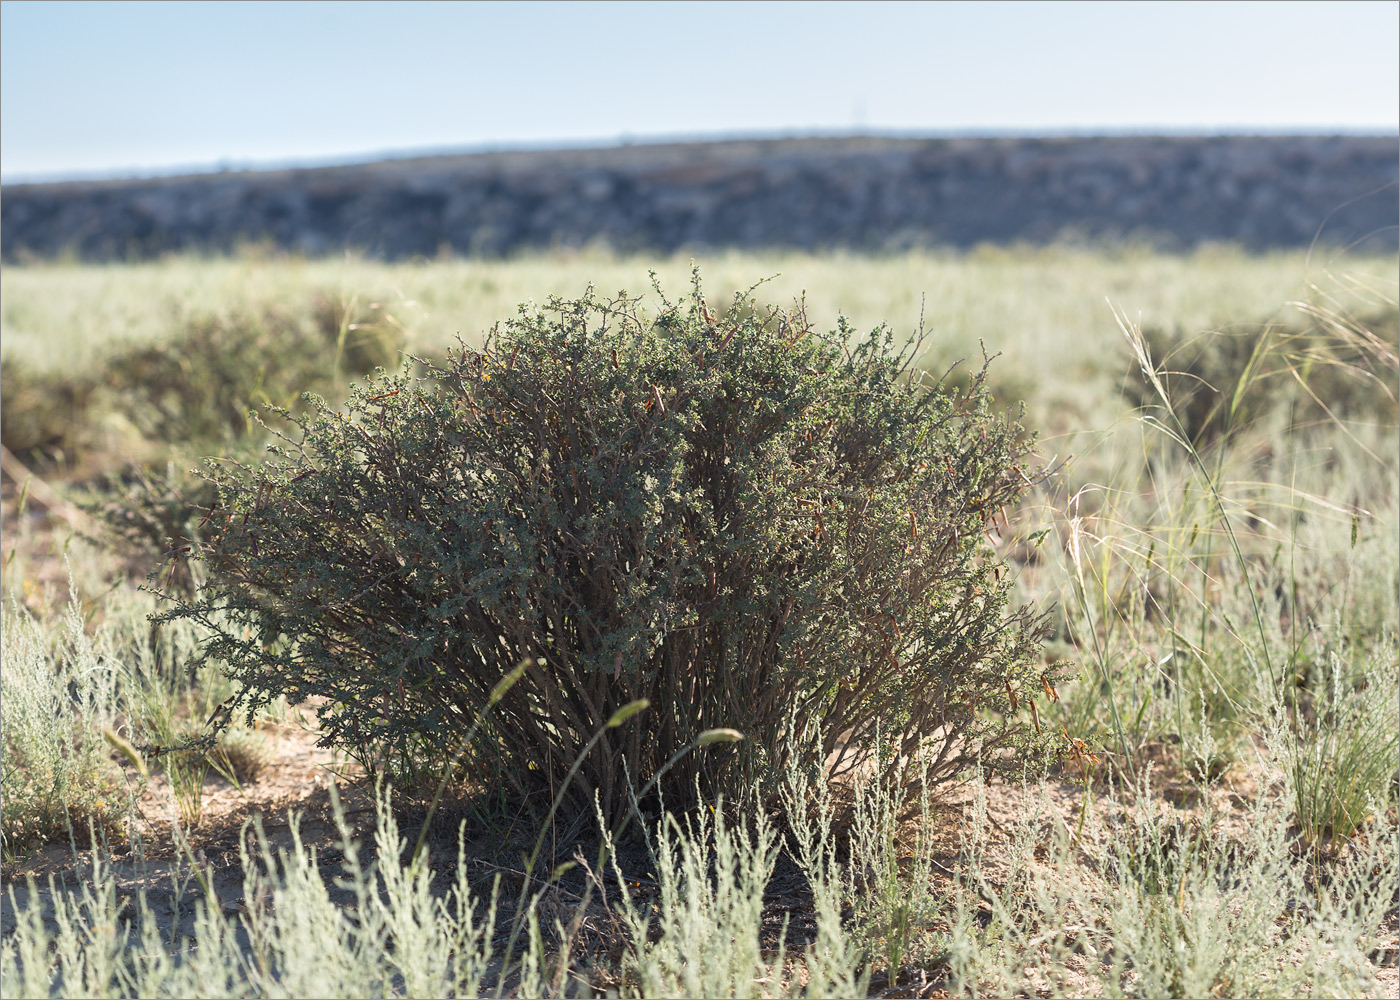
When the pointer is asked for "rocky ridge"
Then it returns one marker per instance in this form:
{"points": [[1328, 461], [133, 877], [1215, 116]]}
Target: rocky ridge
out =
{"points": [[862, 193]]}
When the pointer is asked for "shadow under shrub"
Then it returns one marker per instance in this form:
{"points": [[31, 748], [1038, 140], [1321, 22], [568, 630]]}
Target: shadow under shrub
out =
{"points": [[147, 515], [743, 521]]}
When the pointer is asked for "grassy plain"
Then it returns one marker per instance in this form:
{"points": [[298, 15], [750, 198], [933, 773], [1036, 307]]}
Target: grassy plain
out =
{"points": [[1220, 544]]}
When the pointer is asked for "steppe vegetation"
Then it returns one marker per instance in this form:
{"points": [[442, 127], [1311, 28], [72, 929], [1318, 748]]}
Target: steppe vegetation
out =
{"points": [[1196, 796]]}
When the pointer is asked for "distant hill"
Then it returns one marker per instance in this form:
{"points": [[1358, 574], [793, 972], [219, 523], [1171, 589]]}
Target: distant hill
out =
{"points": [[865, 193]]}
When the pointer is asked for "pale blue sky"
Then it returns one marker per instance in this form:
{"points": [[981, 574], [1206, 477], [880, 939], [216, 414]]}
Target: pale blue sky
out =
{"points": [[117, 88]]}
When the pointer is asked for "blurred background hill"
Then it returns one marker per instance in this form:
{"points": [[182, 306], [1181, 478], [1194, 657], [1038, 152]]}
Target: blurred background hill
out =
{"points": [[867, 193]]}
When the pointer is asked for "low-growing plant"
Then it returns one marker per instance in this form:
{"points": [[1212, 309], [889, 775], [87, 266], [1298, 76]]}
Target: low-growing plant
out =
{"points": [[746, 523], [169, 702], [701, 936], [146, 515], [1344, 761], [1202, 577], [365, 335], [1142, 901], [61, 687], [296, 939], [889, 877]]}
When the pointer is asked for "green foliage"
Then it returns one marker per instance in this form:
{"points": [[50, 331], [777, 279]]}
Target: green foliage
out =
{"points": [[1144, 902], [404, 940], [72, 687], [1209, 568], [1152, 889], [61, 687], [1331, 368], [748, 524], [167, 706], [702, 936], [1344, 759], [883, 870], [43, 417], [192, 388], [148, 516], [200, 386]]}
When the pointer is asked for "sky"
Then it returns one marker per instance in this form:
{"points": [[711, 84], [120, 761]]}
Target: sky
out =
{"points": [[126, 89]]}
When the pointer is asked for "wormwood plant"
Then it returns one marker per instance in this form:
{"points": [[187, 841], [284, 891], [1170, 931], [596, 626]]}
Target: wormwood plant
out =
{"points": [[741, 520], [61, 686]]}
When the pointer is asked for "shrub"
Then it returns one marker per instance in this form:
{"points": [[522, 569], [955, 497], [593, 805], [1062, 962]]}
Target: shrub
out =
{"points": [[194, 387], [200, 385], [146, 514], [42, 416], [745, 522], [61, 689], [1343, 761], [1331, 368]]}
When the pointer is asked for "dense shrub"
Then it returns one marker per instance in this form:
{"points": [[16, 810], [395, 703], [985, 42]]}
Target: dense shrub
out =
{"points": [[200, 385], [61, 687], [746, 522], [1330, 368], [193, 388], [43, 416]]}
